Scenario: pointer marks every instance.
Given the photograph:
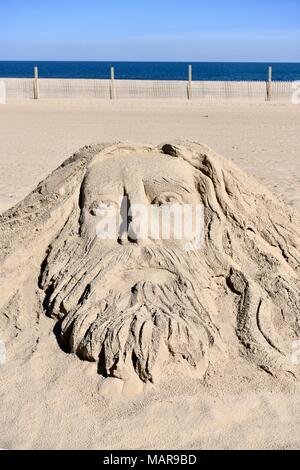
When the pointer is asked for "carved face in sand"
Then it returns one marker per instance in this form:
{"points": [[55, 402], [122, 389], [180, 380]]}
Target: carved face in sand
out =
{"points": [[136, 188], [131, 302], [139, 304]]}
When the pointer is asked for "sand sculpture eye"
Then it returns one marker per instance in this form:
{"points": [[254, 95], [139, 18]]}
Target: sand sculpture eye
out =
{"points": [[167, 198]]}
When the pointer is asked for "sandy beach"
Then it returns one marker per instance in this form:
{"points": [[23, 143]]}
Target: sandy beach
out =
{"points": [[56, 394]]}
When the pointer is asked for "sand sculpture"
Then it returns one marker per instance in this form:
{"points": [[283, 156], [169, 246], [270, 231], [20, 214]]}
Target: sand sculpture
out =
{"points": [[144, 307]]}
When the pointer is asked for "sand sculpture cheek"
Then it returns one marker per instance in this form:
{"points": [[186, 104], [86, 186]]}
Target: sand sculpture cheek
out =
{"points": [[142, 308]]}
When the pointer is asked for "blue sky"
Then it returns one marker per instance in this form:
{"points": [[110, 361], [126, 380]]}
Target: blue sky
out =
{"points": [[187, 30]]}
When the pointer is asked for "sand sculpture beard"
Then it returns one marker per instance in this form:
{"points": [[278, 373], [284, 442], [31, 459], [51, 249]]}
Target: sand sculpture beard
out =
{"points": [[135, 310], [132, 309]]}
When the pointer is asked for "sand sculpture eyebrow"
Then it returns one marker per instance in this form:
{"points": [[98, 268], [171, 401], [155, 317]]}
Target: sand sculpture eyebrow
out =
{"points": [[236, 300]]}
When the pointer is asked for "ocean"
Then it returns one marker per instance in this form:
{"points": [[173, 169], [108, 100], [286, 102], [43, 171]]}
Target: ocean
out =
{"points": [[153, 70]]}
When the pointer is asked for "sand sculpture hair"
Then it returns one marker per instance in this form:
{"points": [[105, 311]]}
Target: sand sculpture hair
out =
{"points": [[236, 297]]}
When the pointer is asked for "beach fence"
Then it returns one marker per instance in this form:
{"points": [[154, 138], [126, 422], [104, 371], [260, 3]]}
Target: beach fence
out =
{"points": [[115, 89]]}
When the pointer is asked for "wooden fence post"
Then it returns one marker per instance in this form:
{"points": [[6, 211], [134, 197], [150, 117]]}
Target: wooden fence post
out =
{"points": [[269, 85], [189, 86], [112, 83], [36, 84]]}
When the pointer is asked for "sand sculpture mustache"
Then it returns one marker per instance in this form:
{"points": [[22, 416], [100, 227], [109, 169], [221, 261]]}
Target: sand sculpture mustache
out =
{"points": [[237, 297]]}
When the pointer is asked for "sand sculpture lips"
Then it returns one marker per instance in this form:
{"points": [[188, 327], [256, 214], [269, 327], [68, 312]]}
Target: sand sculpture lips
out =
{"points": [[141, 307]]}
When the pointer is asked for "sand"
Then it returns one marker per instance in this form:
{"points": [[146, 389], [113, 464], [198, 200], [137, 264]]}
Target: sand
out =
{"points": [[240, 392]]}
